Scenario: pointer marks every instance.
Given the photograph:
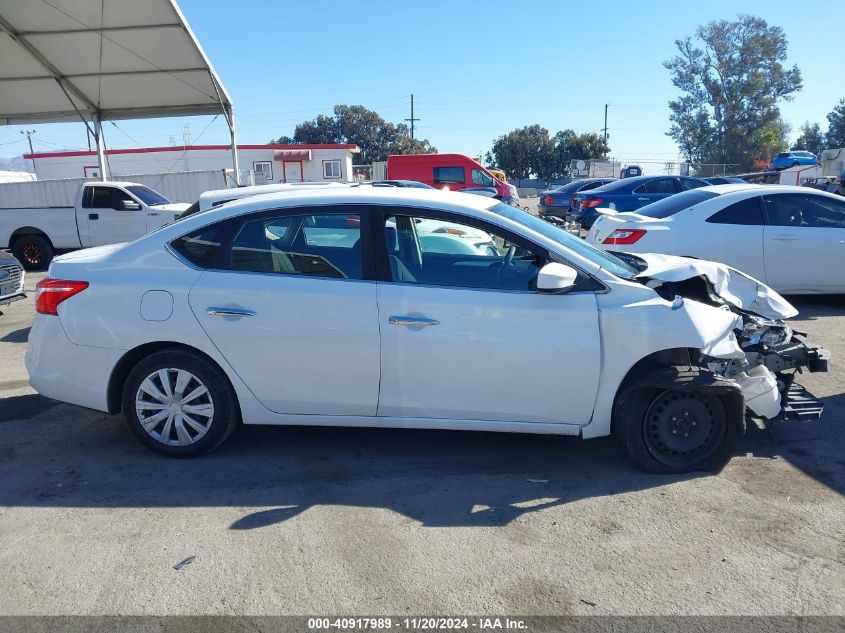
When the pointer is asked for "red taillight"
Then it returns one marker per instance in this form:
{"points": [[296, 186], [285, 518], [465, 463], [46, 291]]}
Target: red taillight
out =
{"points": [[49, 293], [624, 236], [549, 201], [591, 203]]}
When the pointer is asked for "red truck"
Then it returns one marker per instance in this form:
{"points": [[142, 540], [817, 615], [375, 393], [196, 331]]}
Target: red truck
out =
{"points": [[454, 171]]}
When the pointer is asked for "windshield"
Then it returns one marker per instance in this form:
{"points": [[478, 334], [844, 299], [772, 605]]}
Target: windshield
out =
{"points": [[147, 196], [606, 260], [675, 204]]}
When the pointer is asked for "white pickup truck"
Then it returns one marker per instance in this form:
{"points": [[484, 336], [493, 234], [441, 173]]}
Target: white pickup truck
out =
{"points": [[103, 213]]}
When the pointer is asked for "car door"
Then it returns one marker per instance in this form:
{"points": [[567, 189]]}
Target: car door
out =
{"points": [[732, 235], [652, 191], [288, 306], [467, 336], [108, 220], [804, 242]]}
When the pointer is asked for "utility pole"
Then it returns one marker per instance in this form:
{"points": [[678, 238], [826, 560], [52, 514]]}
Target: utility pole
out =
{"points": [[412, 119], [604, 129], [29, 134]]}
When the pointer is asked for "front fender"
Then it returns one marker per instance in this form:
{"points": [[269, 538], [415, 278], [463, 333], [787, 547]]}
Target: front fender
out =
{"points": [[635, 323]]}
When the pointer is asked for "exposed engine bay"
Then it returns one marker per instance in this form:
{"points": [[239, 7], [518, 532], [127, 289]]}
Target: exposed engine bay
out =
{"points": [[771, 352]]}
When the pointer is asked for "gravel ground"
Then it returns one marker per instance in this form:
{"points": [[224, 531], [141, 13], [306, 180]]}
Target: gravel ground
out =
{"points": [[356, 521]]}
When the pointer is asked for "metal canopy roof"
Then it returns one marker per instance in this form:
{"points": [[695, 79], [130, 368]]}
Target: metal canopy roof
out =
{"points": [[109, 59]]}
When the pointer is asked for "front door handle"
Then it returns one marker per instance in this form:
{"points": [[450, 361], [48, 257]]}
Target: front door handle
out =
{"points": [[152, 214], [238, 312], [93, 216], [413, 321], [785, 238], [644, 199]]}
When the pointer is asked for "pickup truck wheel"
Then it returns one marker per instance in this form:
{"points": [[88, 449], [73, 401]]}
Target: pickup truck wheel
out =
{"points": [[179, 404], [33, 252], [675, 431]]}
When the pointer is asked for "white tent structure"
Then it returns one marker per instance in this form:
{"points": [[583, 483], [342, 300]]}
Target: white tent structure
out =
{"points": [[100, 60]]}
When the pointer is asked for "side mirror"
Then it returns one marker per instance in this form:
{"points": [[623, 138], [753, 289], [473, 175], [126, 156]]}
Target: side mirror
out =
{"points": [[129, 205], [556, 277]]}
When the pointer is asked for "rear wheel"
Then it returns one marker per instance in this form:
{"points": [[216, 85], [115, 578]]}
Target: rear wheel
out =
{"points": [[179, 404], [34, 252]]}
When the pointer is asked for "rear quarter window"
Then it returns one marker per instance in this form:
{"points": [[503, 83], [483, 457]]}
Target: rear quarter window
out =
{"points": [[746, 212], [202, 247]]}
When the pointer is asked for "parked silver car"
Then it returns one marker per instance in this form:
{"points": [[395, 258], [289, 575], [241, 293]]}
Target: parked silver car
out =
{"points": [[11, 279]]}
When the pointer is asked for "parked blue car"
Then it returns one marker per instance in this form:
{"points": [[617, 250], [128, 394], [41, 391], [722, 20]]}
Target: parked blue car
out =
{"points": [[726, 180], [629, 194], [785, 160], [557, 201]]}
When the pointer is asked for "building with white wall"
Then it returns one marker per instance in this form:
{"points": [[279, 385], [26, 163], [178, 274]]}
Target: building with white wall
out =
{"points": [[278, 163]]}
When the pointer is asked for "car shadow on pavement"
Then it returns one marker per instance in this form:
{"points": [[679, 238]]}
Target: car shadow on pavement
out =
{"points": [[16, 336], [71, 457], [64, 456]]}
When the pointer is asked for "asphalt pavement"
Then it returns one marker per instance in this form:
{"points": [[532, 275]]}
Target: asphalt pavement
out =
{"points": [[315, 521]]}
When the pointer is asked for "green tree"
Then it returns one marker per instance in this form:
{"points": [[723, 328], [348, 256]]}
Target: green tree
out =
{"points": [[523, 152], [732, 77], [375, 137], [569, 146], [835, 136], [772, 138], [811, 138]]}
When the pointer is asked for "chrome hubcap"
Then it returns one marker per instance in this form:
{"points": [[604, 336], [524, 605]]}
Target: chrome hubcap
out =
{"points": [[174, 407]]}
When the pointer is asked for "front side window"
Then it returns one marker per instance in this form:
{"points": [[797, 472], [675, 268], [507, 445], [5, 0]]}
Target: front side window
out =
{"points": [[434, 251], [331, 169], [482, 178], [105, 198], [688, 183], [319, 245], [801, 210], [449, 176], [745, 212], [675, 204]]}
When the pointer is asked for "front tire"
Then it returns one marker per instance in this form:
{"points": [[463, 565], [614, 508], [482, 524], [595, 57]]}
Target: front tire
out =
{"points": [[34, 252], [666, 430], [179, 404]]}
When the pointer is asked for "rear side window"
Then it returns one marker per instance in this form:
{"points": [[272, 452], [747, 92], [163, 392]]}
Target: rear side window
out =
{"points": [[449, 176], [314, 245], [661, 185], [202, 247], [675, 204], [745, 212], [591, 185]]}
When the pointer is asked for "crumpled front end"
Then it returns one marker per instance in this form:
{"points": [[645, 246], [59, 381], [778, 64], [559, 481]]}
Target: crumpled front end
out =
{"points": [[769, 353]]}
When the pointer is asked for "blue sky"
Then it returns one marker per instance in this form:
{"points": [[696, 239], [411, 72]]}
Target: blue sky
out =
{"points": [[477, 69]]}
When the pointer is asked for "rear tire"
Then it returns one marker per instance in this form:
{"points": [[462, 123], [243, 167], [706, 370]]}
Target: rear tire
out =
{"points": [[677, 431], [179, 404], [34, 252]]}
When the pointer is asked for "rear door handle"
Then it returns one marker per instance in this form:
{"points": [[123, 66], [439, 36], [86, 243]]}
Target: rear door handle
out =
{"points": [[93, 216], [785, 238], [152, 214], [413, 321], [220, 311], [644, 199]]}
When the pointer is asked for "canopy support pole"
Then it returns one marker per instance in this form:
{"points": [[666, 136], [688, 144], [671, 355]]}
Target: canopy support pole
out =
{"points": [[229, 113], [101, 148]]}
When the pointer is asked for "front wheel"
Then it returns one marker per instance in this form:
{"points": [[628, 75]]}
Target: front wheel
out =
{"points": [[668, 430], [179, 404]]}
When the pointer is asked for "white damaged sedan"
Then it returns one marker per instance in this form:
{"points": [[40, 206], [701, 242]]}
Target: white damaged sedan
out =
{"points": [[321, 307]]}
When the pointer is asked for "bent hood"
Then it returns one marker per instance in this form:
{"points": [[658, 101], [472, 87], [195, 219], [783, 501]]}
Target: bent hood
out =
{"points": [[734, 287]]}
